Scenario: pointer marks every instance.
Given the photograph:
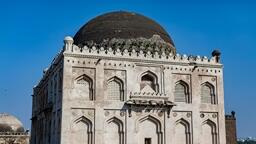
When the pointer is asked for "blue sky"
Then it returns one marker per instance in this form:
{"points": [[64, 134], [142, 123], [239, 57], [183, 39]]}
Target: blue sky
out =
{"points": [[32, 32]]}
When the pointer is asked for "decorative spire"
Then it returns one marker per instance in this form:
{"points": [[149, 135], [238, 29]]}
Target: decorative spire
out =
{"points": [[68, 41], [216, 53]]}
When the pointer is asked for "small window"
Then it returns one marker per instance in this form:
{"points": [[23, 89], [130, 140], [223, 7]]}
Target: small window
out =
{"points": [[149, 79], [147, 140]]}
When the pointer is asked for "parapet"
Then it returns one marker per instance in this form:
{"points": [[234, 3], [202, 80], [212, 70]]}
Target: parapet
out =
{"points": [[151, 51], [231, 116]]}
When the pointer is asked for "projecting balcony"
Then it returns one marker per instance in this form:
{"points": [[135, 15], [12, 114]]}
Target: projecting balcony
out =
{"points": [[148, 101]]}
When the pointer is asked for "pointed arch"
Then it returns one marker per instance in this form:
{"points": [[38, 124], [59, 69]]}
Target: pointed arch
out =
{"points": [[186, 134], [115, 89], [181, 92], [210, 132], [82, 130], [147, 121], [118, 122], [153, 120], [211, 124], [120, 127], [208, 93], [85, 120], [150, 79], [85, 84]]}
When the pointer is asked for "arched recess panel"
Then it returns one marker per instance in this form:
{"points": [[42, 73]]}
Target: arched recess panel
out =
{"points": [[82, 131], [115, 89], [182, 132], [84, 87], [114, 131], [209, 133], [181, 92], [149, 129], [208, 93]]}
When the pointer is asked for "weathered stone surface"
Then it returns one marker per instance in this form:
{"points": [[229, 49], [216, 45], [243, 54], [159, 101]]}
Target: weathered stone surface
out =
{"points": [[121, 94]]}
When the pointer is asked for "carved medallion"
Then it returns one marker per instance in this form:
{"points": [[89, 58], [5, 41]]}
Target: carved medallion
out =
{"points": [[202, 115], [90, 113], [106, 113], [160, 114], [174, 114], [138, 113], [188, 114], [123, 73], [214, 115], [122, 113]]}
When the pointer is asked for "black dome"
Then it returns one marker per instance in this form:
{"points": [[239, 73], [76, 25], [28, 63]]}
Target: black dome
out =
{"points": [[124, 25]]}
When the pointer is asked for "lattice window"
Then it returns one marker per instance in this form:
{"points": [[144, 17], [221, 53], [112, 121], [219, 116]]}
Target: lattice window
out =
{"points": [[181, 93], [207, 94], [115, 89]]}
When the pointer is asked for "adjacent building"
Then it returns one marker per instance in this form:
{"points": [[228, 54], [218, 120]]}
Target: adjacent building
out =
{"points": [[231, 135], [12, 130], [120, 80]]}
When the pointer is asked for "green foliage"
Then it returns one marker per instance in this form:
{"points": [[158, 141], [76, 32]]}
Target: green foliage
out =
{"points": [[247, 142]]}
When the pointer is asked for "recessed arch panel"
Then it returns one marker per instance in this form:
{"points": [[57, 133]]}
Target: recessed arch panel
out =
{"points": [[208, 93], [181, 92], [115, 89]]}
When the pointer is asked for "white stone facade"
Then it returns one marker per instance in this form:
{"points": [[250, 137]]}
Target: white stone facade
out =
{"points": [[95, 95]]}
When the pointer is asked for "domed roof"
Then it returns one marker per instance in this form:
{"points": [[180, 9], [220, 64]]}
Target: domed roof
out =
{"points": [[9, 123], [121, 24]]}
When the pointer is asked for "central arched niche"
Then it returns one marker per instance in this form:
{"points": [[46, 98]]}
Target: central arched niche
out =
{"points": [[149, 130], [149, 82]]}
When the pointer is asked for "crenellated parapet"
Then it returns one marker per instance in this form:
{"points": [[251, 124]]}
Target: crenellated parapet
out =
{"points": [[138, 49]]}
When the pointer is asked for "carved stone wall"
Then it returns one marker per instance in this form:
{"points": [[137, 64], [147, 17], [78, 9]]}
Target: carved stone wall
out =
{"points": [[125, 96]]}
